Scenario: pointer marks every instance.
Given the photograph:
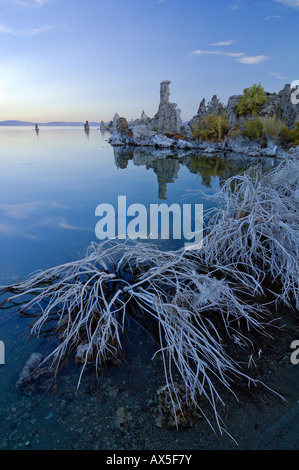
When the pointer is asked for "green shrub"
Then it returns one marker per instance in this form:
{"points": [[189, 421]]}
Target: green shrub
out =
{"points": [[286, 134], [254, 129], [213, 127], [273, 127], [251, 101], [291, 136], [270, 126], [234, 132]]}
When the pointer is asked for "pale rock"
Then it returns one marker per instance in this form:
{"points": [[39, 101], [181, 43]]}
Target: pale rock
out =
{"points": [[214, 106], [202, 108], [144, 118], [115, 121], [287, 110], [184, 144], [34, 379], [84, 353], [160, 140], [141, 132], [232, 117], [117, 139], [168, 118], [271, 149], [150, 132]]}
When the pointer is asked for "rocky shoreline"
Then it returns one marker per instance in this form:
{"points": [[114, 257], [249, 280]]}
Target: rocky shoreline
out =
{"points": [[166, 129], [241, 145]]}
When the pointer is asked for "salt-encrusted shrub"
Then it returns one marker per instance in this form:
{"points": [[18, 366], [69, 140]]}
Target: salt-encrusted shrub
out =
{"points": [[207, 306]]}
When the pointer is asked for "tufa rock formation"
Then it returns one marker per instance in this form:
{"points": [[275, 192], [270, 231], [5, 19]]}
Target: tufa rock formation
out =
{"points": [[279, 104], [214, 106], [114, 123], [168, 117], [166, 130]]}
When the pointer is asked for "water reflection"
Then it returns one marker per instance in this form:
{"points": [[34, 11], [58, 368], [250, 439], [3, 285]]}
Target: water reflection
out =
{"points": [[49, 189], [166, 165], [87, 129]]}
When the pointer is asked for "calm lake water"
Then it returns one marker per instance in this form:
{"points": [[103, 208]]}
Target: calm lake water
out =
{"points": [[50, 186]]}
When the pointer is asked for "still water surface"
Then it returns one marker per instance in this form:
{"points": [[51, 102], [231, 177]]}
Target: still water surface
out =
{"points": [[50, 186]]}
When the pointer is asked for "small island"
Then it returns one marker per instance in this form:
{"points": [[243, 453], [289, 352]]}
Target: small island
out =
{"points": [[256, 123]]}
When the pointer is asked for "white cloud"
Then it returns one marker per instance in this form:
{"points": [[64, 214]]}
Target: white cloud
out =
{"points": [[31, 3], [60, 222], [248, 60], [236, 5], [278, 75], [289, 3], [14, 231], [228, 54], [272, 17], [24, 210], [25, 32], [238, 56], [224, 43]]}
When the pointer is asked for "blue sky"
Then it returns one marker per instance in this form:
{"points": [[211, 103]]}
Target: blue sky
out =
{"points": [[85, 60]]}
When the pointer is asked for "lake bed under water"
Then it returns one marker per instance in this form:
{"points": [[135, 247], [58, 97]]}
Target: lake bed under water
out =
{"points": [[50, 186]]}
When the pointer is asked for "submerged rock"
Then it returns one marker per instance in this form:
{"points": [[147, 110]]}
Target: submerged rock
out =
{"points": [[122, 419], [84, 353], [181, 413], [88, 352], [34, 379]]}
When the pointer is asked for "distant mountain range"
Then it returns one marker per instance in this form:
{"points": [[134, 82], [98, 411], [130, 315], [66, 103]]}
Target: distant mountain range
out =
{"points": [[58, 123]]}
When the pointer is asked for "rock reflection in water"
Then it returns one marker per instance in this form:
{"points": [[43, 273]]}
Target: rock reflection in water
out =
{"points": [[166, 165]]}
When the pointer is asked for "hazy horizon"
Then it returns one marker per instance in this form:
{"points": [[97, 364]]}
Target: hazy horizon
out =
{"points": [[73, 61], [46, 122]]}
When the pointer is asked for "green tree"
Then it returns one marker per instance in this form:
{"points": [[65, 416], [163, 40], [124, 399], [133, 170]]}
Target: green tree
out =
{"points": [[251, 101]]}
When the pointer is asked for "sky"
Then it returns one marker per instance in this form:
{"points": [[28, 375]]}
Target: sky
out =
{"points": [[75, 60]]}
